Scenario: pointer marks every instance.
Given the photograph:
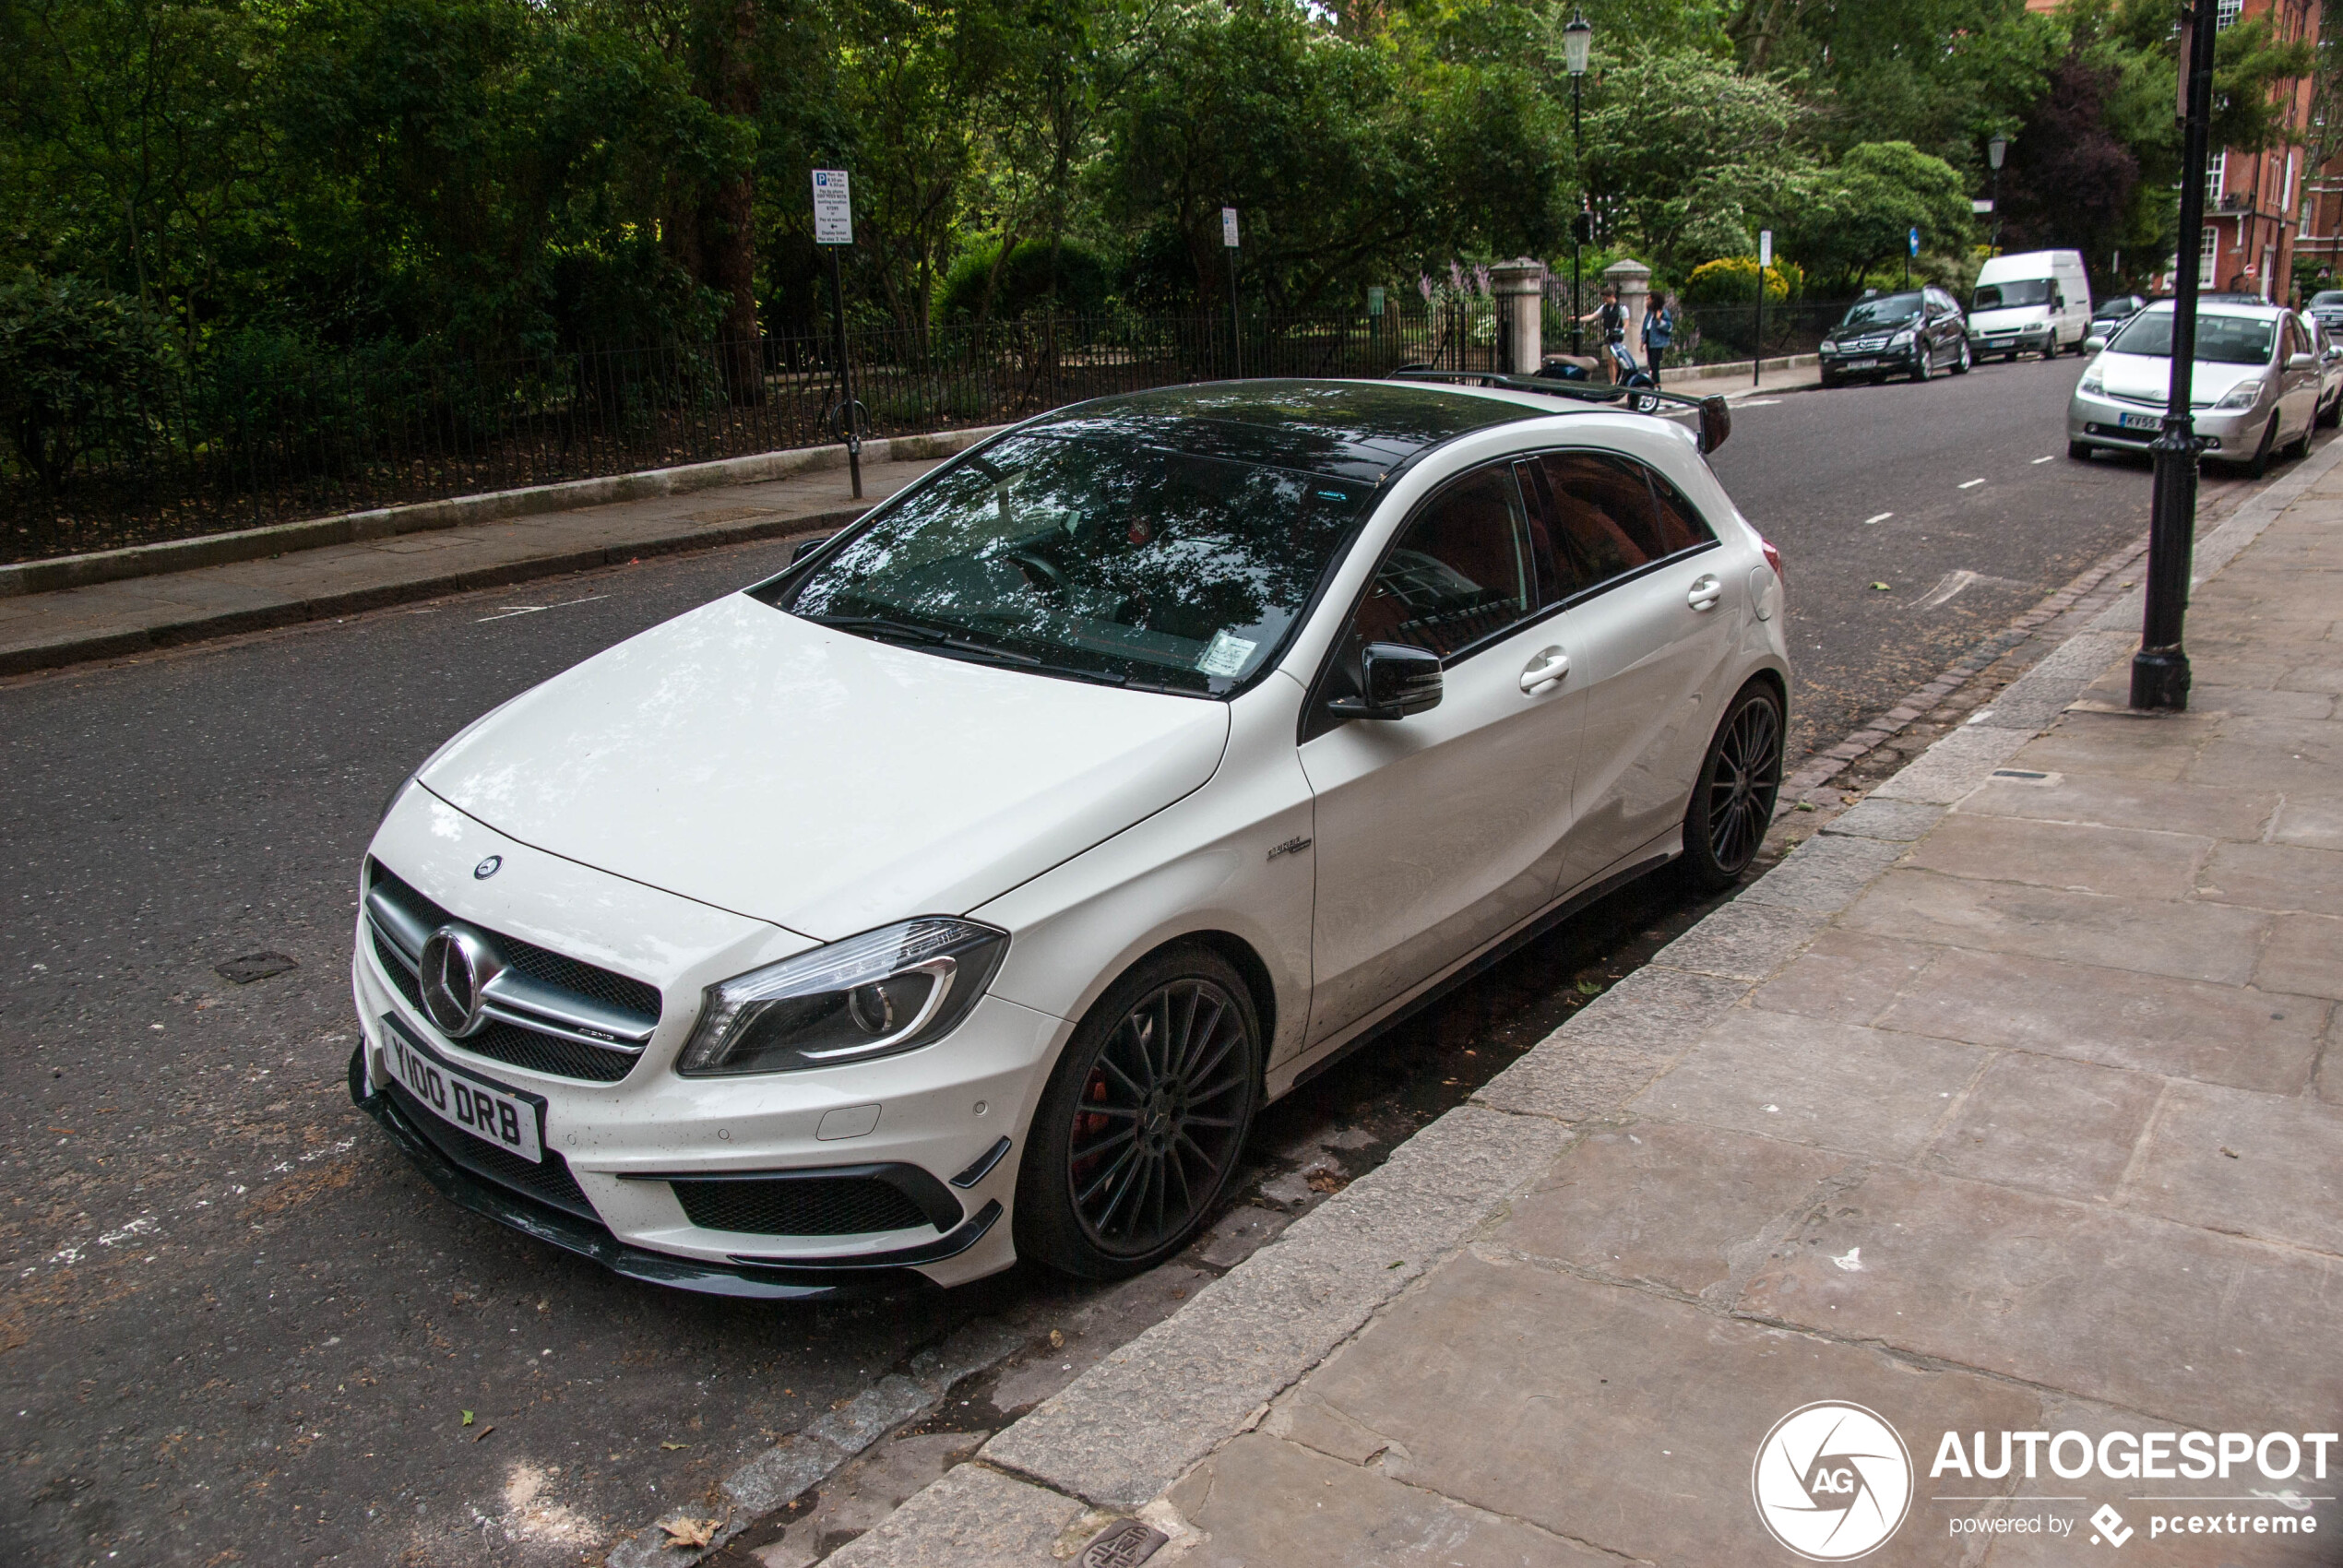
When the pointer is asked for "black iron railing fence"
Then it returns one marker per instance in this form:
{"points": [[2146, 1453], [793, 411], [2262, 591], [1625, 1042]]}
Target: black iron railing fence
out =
{"points": [[223, 447]]}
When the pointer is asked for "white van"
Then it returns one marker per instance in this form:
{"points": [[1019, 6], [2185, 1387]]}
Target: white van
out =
{"points": [[2037, 303]]}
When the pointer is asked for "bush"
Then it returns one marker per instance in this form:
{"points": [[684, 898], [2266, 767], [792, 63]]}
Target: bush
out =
{"points": [[1733, 281], [81, 367], [1028, 285]]}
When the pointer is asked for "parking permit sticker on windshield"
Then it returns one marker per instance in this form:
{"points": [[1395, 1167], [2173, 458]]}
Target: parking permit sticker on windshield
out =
{"points": [[1226, 656]]}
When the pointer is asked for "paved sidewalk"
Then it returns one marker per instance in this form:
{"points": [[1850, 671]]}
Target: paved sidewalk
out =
{"points": [[2011, 1103], [108, 620]]}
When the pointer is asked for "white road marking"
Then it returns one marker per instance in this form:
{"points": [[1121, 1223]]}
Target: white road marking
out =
{"points": [[1946, 588], [511, 610], [2039, 461], [1971, 484], [1759, 402], [1881, 518]]}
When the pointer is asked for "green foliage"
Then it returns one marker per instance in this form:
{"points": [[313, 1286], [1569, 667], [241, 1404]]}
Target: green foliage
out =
{"points": [[1037, 279], [1858, 215], [1733, 281], [79, 365]]}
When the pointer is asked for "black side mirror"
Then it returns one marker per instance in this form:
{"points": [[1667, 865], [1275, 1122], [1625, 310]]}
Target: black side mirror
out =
{"points": [[1398, 680], [807, 546], [1716, 423]]}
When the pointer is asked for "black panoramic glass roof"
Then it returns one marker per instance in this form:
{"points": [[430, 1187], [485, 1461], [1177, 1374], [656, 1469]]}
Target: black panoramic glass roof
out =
{"points": [[1350, 429]]}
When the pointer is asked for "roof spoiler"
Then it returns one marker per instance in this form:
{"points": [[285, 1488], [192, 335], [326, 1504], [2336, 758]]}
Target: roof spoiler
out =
{"points": [[1716, 414]]}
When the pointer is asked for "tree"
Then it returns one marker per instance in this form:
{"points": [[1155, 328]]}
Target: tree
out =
{"points": [[1858, 215], [2071, 180]]}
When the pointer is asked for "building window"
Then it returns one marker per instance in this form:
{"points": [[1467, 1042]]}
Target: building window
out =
{"points": [[2209, 256], [2216, 171], [2228, 11]]}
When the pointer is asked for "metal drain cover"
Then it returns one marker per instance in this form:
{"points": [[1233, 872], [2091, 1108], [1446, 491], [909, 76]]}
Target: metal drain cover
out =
{"points": [[1126, 1543]]}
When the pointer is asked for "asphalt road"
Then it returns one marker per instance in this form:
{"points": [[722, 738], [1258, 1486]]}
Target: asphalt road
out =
{"points": [[231, 1321]]}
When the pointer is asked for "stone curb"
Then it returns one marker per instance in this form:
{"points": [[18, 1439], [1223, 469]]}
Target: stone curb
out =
{"points": [[1735, 368], [387, 522], [1118, 1436]]}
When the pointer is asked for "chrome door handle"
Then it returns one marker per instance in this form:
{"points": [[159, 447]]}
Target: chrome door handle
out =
{"points": [[1705, 591], [1547, 669]]}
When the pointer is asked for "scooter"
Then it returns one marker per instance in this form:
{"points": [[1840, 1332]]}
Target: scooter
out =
{"points": [[1578, 367]]}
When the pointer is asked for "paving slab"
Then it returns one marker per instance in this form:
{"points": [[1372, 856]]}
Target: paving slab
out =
{"points": [[972, 1518], [1679, 1208], [1838, 1086], [2126, 1308], [2066, 1128], [2123, 862], [1846, 977], [2207, 942], [2275, 876], [1264, 1500], [2245, 1164], [2116, 1018], [2304, 955], [1616, 1416], [2112, 800]]}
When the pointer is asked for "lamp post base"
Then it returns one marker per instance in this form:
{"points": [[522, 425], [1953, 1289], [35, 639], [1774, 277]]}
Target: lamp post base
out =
{"points": [[2161, 678]]}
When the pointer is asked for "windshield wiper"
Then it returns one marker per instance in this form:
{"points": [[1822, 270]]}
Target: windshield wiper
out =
{"points": [[882, 627]]}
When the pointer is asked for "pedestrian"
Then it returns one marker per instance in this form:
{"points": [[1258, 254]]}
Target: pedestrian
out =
{"points": [[1659, 330], [1611, 317]]}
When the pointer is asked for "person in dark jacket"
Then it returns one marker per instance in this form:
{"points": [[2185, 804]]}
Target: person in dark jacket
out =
{"points": [[1659, 330], [1611, 317]]}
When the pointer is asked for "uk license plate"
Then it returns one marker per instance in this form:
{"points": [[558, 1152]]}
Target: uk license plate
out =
{"points": [[1863, 364], [2140, 421], [492, 1114]]}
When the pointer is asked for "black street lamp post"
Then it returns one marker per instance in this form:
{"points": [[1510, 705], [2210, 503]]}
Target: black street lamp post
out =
{"points": [[1576, 37], [2160, 670], [1997, 149]]}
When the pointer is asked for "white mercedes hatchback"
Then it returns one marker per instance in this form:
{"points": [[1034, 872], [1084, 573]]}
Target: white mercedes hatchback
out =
{"points": [[965, 890]]}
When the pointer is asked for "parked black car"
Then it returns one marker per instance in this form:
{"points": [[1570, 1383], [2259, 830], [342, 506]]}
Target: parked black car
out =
{"points": [[2327, 306], [1914, 333], [2112, 313]]}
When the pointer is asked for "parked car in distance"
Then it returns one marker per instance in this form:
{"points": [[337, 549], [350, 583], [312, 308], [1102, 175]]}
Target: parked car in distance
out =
{"points": [[1914, 333], [2328, 305], [2037, 301], [2328, 349], [961, 893], [2110, 317], [2255, 392]]}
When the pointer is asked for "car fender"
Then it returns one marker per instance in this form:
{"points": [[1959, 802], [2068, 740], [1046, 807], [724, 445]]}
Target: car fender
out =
{"points": [[1233, 859]]}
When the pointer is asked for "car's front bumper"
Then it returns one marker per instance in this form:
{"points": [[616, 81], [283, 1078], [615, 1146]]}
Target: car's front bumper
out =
{"points": [[2015, 340], [1872, 361], [2096, 420]]}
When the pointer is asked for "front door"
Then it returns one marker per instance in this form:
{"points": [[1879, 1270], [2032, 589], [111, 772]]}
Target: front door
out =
{"points": [[1436, 833]]}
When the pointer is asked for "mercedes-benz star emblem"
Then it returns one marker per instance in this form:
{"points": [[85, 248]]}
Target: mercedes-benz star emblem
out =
{"points": [[487, 867], [456, 968]]}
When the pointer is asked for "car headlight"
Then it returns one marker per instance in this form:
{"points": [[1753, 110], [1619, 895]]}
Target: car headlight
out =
{"points": [[883, 992], [1902, 340], [1830, 345], [2244, 394], [2094, 385]]}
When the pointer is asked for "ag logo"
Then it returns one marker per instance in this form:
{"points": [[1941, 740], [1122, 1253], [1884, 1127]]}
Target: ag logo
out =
{"points": [[1832, 1481]]}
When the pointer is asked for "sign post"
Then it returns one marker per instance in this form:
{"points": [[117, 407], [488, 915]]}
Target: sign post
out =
{"points": [[1765, 260], [1236, 322], [1911, 249], [834, 228]]}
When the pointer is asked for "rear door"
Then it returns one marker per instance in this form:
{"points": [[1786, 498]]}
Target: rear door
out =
{"points": [[1650, 637], [1437, 833]]}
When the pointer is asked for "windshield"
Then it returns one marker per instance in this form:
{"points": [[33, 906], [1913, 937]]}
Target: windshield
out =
{"points": [[2327, 297], [2220, 339], [2009, 295], [1126, 563], [1888, 310]]}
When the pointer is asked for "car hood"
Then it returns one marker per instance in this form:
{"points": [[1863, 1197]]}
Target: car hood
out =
{"points": [[2008, 320], [757, 762], [2150, 377]]}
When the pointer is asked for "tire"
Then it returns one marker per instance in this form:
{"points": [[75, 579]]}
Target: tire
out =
{"points": [[1832, 383], [1960, 365], [2080, 450], [1149, 1059], [1733, 801], [2300, 447], [2052, 352], [1924, 363], [2259, 463], [2332, 415], [358, 1074]]}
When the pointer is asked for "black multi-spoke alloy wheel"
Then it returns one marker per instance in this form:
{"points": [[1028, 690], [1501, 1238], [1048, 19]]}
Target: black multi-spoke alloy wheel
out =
{"points": [[1733, 803], [1144, 1119]]}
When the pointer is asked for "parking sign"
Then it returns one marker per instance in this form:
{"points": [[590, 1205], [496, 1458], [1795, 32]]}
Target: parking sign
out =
{"points": [[832, 208]]}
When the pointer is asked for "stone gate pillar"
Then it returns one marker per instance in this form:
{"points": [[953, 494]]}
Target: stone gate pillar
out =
{"points": [[1634, 281], [1523, 281]]}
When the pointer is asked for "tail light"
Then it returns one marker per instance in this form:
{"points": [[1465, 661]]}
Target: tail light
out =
{"points": [[1773, 557]]}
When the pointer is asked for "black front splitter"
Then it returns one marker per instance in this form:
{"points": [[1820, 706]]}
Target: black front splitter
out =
{"points": [[844, 1279]]}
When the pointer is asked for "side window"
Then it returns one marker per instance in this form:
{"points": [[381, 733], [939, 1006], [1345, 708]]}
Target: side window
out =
{"points": [[1467, 566], [1681, 524], [1611, 516]]}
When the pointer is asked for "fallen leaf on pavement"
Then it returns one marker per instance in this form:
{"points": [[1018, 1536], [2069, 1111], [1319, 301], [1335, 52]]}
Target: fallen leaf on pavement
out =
{"points": [[689, 1532], [674, 1446], [482, 1432], [468, 1417]]}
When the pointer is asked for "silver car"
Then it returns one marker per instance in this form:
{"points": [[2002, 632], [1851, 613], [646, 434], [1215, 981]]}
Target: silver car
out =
{"points": [[2255, 389], [2329, 347]]}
